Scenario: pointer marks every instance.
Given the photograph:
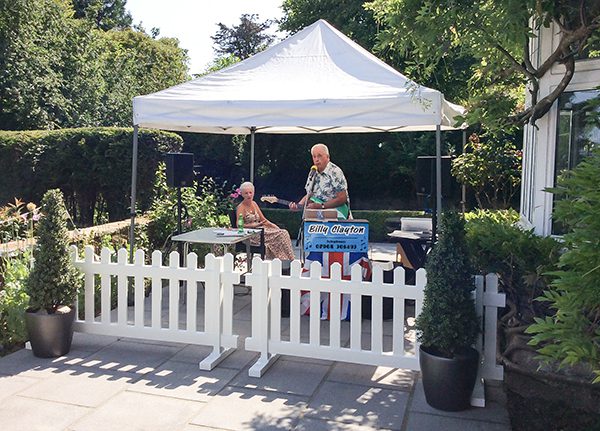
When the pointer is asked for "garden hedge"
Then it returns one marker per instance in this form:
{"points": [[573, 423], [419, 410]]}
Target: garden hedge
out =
{"points": [[92, 167]]}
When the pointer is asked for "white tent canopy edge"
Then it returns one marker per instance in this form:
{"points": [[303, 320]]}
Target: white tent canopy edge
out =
{"points": [[316, 81]]}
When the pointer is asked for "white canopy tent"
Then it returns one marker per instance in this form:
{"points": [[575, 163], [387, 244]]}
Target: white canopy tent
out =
{"points": [[316, 81]]}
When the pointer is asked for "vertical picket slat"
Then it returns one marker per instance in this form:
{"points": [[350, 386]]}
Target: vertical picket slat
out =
{"points": [[174, 292], [138, 289], [122, 289], [377, 313], [90, 281], [156, 292], [315, 305], [105, 280], [275, 277], [399, 306], [355, 310]]}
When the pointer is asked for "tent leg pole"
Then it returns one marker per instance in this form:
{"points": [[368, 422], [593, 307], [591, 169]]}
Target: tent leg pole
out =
{"points": [[463, 197], [134, 160], [438, 173], [252, 132]]}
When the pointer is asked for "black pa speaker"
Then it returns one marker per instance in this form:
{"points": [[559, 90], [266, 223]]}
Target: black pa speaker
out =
{"points": [[180, 169], [425, 176]]}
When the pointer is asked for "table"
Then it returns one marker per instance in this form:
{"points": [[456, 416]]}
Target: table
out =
{"points": [[209, 235], [414, 245]]}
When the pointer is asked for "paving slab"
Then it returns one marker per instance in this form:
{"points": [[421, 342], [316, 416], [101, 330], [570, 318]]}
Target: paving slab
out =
{"points": [[66, 387], [237, 360], [131, 357], [29, 414], [244, 409], [10, 385], [382, 377], [428, 422], [184, 381], [289, 377], [356, 404], [137, 411], [23, 363], [91, 342], [493, 412], [311, 424]]}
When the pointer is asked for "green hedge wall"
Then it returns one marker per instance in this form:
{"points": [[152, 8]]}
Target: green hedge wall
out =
{"points": [[381, 222], [92, 167]]}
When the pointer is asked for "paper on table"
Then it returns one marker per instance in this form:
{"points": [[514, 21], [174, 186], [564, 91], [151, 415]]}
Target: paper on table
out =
{"points": [[229, 232]]}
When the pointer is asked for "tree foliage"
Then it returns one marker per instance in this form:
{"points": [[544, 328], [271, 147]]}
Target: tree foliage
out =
{"points": [[496, 33], [572, 334], [104, 14], [53, 281], [492, 168], [245, 39], [448, 322], [57, 71]]}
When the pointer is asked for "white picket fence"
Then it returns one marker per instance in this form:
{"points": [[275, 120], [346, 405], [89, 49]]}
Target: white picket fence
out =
{"points": [[267, 282], [365, 345], [159, 317], [172, 316]]}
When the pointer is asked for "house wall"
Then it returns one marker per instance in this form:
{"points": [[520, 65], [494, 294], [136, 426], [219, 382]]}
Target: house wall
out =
{"points": [[539, 141]]}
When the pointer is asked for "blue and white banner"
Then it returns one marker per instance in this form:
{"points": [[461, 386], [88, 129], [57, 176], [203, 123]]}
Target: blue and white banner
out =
{"points": [[336, 236]]}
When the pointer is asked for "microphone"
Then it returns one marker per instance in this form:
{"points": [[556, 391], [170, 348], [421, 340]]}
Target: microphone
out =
{"points": [[313, 172]]}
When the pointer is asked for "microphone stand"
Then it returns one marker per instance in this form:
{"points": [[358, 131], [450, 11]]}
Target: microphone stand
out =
{"points": [[312, 178]]}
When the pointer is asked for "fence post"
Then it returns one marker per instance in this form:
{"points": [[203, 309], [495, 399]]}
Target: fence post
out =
{"points": [[213, 312], [259, 280], [492, 300]]}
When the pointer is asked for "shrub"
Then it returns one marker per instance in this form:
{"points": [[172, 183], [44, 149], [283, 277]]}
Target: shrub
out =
{"points": [[13, 300], [519, 257], [53, 281], [572, 334], [202, 210], [448, 322], [92, 167]]}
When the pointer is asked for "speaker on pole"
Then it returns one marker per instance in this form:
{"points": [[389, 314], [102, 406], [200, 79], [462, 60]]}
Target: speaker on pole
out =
{"points": [[425, 176], [180, 169]]}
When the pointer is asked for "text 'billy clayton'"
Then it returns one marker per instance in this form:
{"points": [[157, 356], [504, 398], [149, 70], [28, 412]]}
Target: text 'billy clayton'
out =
{"points": [[336, 229]]}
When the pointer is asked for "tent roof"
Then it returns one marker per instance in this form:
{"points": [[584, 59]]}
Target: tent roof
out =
{"points": [[317, 80]]}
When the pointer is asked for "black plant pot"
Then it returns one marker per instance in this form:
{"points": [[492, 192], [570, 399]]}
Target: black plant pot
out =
{"points": [[50, 334], [448, 382]]}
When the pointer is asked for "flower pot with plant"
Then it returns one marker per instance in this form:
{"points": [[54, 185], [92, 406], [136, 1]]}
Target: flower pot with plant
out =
{"points": [[52, 284], [448, 324]]}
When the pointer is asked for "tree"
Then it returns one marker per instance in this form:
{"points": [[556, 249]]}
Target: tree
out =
{"points": [[245, 39], [492, 168], [33, 36], [104, 14], [497, 34], [57, 71]]}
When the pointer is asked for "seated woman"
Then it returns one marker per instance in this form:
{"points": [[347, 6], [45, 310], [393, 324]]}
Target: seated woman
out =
{"points": [[277, 241]]}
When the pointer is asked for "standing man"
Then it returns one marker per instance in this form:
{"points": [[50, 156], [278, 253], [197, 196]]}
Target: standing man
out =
{"points": [[326, 186]]}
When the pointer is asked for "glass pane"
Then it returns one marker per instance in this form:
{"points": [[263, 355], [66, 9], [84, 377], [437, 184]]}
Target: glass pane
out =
{"points": [[577, 132]]}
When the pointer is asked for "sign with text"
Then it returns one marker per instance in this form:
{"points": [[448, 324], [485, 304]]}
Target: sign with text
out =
{"points": [[328, 236]]}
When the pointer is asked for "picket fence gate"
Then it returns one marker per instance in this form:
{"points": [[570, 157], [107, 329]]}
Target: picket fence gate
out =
{"points": [[213, 286]]}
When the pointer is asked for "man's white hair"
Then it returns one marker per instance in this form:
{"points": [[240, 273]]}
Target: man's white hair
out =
{"points": [[246, 185], [320, 146]]}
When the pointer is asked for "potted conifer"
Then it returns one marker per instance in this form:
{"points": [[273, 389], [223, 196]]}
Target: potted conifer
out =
{"points": [[52, 284], [448, 324]]}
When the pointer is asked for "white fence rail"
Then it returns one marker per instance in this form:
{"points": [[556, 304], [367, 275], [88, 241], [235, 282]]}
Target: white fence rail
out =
{"points": [[166, 315]]}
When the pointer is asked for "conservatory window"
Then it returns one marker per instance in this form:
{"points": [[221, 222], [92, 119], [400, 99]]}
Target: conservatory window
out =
{"points": [[578, 132]]}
